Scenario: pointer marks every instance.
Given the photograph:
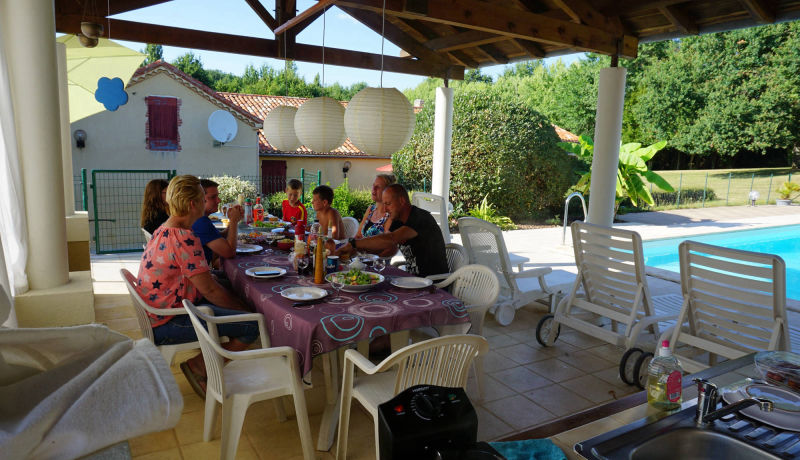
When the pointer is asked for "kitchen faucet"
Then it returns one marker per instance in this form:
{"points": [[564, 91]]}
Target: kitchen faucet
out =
{"points": [[708, 397]]}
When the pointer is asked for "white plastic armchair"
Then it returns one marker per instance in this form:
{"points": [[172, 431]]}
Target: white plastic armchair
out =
{"points": [[141, 308], [248, 377], [485, 245], [443, 361], [435, 205], [350, 227], [456, 258]]}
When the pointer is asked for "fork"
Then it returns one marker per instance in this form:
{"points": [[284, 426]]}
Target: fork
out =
{"points": [[431, 289]]}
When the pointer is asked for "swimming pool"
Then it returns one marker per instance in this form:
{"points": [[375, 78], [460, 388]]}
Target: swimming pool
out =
{"points": [[783, 241]]}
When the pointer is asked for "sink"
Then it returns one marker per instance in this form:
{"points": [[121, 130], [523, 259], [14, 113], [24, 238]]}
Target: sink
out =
{"points": [[675, 435], [696, 443]]}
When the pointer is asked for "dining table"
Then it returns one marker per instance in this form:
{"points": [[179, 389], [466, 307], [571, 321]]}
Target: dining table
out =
{"points": [[350, 319]]}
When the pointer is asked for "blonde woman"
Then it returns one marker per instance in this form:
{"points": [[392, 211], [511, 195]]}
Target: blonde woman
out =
{"points": [[154, 206], [376, 220], [174, 268]]}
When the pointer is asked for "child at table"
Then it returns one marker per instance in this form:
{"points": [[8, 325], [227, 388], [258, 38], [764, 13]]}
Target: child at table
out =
{"points": [[329, 218], [293, 209]]}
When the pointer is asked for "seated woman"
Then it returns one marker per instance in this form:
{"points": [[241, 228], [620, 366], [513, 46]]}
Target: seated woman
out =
{"points": [[154, 207], [376, 220], [174, 268]]}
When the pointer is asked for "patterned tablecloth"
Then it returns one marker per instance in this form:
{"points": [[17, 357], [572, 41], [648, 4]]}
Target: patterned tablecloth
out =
{"points": [[322, 327]]}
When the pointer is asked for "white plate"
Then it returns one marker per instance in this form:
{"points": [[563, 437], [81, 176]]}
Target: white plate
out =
{"points": [[277, 271], [368, 257], [786, 414], [358, 287], [304, 293], [411, 282], [244, 248]]}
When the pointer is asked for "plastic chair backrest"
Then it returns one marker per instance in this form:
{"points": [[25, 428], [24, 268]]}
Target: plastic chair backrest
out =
{"points": [[456, 256], [435, 205], [147, 235], [611, 265], [209, 345], [485, 245], [734, 300], [350, 227], [475, 285], [138, 305]]}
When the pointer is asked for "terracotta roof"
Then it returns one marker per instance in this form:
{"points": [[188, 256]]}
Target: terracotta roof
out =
{"points": [[259, 106], [143, 73], [565, 135]]}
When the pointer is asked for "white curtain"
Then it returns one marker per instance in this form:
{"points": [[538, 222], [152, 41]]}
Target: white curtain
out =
{"points": [[13, 232]]}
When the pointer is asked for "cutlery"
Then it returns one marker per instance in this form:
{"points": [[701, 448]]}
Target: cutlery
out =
{"points": [[430, 290], [306, 302]]}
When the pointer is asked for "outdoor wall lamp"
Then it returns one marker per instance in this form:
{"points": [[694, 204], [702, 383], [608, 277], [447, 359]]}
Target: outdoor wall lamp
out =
{"points": [[80, 138], [346, 168]]}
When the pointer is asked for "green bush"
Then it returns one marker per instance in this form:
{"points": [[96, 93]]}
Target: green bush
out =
{"points": [[274, 203], [487, 212], [348, 202], [501, 149], [230, 188], [688, 195]]}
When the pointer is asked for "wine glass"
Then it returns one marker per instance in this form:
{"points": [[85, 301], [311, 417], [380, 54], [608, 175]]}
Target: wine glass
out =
{"points": [[302, 264], [337, 282], [379, 264]]}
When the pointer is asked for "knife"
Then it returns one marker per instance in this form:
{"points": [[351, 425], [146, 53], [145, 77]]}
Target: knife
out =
{"points": [[306, 302]]}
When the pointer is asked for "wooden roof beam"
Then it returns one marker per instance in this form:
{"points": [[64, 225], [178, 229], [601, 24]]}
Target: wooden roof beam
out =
{"points": [[252, 46], [510, 22], [463, 40], [582, 12], [680, 19], [494, 54], [310, 11], [531, 48], [761, 10], [263, 13]]}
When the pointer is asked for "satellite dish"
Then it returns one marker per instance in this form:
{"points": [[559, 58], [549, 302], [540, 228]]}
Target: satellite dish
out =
{"points": [[222, 126]]}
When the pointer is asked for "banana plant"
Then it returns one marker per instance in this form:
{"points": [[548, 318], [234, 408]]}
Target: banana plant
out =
{"points": [[632, 167]]}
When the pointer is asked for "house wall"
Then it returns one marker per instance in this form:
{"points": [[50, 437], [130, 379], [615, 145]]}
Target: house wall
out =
{"points": [[116, 140], [361, 175]]}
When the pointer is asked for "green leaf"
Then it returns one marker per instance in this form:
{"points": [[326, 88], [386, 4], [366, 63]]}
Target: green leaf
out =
{"points": [[658, 181]]}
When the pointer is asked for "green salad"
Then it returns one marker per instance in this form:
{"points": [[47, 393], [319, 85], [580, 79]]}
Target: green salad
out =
{"points": [[356, 277], [265, 224]]}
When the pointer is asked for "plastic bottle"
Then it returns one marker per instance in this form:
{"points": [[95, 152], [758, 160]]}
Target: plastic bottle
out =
{"points": [[248, 212], [258, 211], [664, 380]]}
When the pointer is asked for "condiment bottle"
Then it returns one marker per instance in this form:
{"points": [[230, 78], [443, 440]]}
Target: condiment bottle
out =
{"points": [[319, 261]]}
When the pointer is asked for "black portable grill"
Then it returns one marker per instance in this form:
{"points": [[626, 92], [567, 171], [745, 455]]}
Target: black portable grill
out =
{"points": [[431, 422]]}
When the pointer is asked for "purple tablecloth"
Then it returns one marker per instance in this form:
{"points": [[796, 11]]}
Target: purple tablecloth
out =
{"points": [[319, 328]]}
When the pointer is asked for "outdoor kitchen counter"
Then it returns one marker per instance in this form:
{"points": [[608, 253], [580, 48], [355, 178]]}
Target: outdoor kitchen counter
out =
{"points": [[567, 431]]}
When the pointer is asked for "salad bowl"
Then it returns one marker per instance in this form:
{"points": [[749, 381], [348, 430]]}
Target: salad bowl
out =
{"points": [[356, 280]]}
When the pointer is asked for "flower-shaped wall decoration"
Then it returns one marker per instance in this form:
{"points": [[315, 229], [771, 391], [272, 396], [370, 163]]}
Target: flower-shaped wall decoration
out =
{"points": [[111, 93]]}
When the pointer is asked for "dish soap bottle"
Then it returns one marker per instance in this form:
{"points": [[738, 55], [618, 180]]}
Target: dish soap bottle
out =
{"points": [[664, 380]]}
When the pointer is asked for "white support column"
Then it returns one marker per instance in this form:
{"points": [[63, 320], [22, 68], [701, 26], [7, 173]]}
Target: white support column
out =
{"points": [[66, 135], [442, 140], [28, 38], [607, 135]]}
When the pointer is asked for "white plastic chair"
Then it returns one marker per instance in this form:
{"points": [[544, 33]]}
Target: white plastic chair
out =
{"points": [[457, 257], [734, 303], [141, 308], [611, 271], [443, 361], [485, 245], [147, 235], [437, 206], [350, 227], [250, 376]]}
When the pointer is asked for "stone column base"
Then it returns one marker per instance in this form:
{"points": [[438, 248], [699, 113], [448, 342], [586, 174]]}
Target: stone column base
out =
{"points": [[67, 305]]}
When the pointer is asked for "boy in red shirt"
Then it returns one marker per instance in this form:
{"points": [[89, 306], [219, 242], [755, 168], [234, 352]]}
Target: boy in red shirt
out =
{"points": [[293, 209]]}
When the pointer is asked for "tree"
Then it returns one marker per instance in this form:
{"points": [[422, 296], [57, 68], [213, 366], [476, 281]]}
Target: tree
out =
{"points": [[154, 53], [476, 76], [192, 66]]}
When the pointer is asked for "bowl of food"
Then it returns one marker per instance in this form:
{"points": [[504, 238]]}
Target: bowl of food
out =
{"points": [[285, 244], [255, 237], [355, 280], [779, 368]]}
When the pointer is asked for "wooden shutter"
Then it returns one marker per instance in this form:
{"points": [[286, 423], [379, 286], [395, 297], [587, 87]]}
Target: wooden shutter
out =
{"points": [[162, 123]]}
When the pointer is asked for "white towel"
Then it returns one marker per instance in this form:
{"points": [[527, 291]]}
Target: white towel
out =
{"points": [[67, 392]]}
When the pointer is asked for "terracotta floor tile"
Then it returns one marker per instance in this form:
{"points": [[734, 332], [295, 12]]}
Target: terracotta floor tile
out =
{"points": [[519, 412], [211, 450], [171, 454], [586, 361], [593, 388], [521, 379], [153, 442], [608, 352], [555, 369], [559, 400], [500, 341], [490, 427], [189, 429], [579, 340], [494, 362], [494, 390], [524, 354]]}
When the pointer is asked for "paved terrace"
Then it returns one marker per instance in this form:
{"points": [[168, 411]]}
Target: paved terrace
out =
{"points": [[527, 384]]}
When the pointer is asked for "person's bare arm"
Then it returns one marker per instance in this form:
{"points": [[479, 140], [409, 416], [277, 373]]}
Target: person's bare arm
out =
{"points": [[360, 232], [337, 225], [385, 243], [214, 293], [226, 246]]}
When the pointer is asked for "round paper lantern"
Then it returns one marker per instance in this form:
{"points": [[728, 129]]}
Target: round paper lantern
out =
{"points": [[319, 124], [279, 128], [379, 121]]}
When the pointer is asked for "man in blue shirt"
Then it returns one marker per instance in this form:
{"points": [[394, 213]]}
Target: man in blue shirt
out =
{"points": [[223, 244]]}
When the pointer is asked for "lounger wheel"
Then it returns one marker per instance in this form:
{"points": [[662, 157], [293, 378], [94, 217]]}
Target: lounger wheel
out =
{"points": [[640, 370], [543, 330], [627, 364], [504, 315]]}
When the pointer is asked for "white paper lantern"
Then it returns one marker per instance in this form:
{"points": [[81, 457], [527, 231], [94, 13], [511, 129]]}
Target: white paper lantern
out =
{"points": [[279, 128], [379, 121], [319, 124]]}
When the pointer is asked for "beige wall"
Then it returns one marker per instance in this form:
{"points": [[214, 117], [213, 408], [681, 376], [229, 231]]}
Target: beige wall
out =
{"points": [[116, 140], [361, 175]]}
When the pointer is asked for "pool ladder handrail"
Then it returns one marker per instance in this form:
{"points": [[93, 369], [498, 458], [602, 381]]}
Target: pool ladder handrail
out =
{"points": [[566, 209]]}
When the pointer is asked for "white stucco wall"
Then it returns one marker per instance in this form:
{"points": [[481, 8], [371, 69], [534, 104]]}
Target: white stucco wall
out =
{"points": [[116, 140], [361, 175]]}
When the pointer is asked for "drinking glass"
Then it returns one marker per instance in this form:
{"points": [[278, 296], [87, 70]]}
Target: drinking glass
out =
{"points": [[337, 282], [379, 264], [302, 264]]}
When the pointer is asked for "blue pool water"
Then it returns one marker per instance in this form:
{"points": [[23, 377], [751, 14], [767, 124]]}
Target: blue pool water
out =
{"points": [[783, 241]]}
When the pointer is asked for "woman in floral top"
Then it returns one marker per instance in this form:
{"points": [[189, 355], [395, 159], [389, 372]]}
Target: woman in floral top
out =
{"points": [[376, 220], [174, 268]]}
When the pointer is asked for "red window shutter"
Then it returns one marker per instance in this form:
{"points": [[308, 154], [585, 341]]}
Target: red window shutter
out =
{"points": [[162, 123]]}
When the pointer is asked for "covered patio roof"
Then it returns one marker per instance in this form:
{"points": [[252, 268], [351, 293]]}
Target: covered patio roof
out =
{"points": [[441, 38]]}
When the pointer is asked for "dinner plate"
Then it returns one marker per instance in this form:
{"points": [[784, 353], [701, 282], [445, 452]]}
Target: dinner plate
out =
{"points": [[304, 293], [265, 272], [411, 282], [358, 287], [244, 248], [786, 414]]}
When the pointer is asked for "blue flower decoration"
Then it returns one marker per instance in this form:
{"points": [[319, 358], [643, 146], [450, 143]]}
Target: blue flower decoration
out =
{"points": [[111, 93]]}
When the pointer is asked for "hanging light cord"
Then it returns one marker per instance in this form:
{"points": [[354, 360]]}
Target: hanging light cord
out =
{"points": [[383, 36], [324, 12], [108, 20]]}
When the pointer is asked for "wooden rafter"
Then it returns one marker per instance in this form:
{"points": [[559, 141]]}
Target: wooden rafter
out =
{"points": [[263, 13], [237, 44], [494, 54], [761, 10], [463, 40], [510, 22], [532, 49], [680, 19], [421, 33], [310, 11], [583, 13]]}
